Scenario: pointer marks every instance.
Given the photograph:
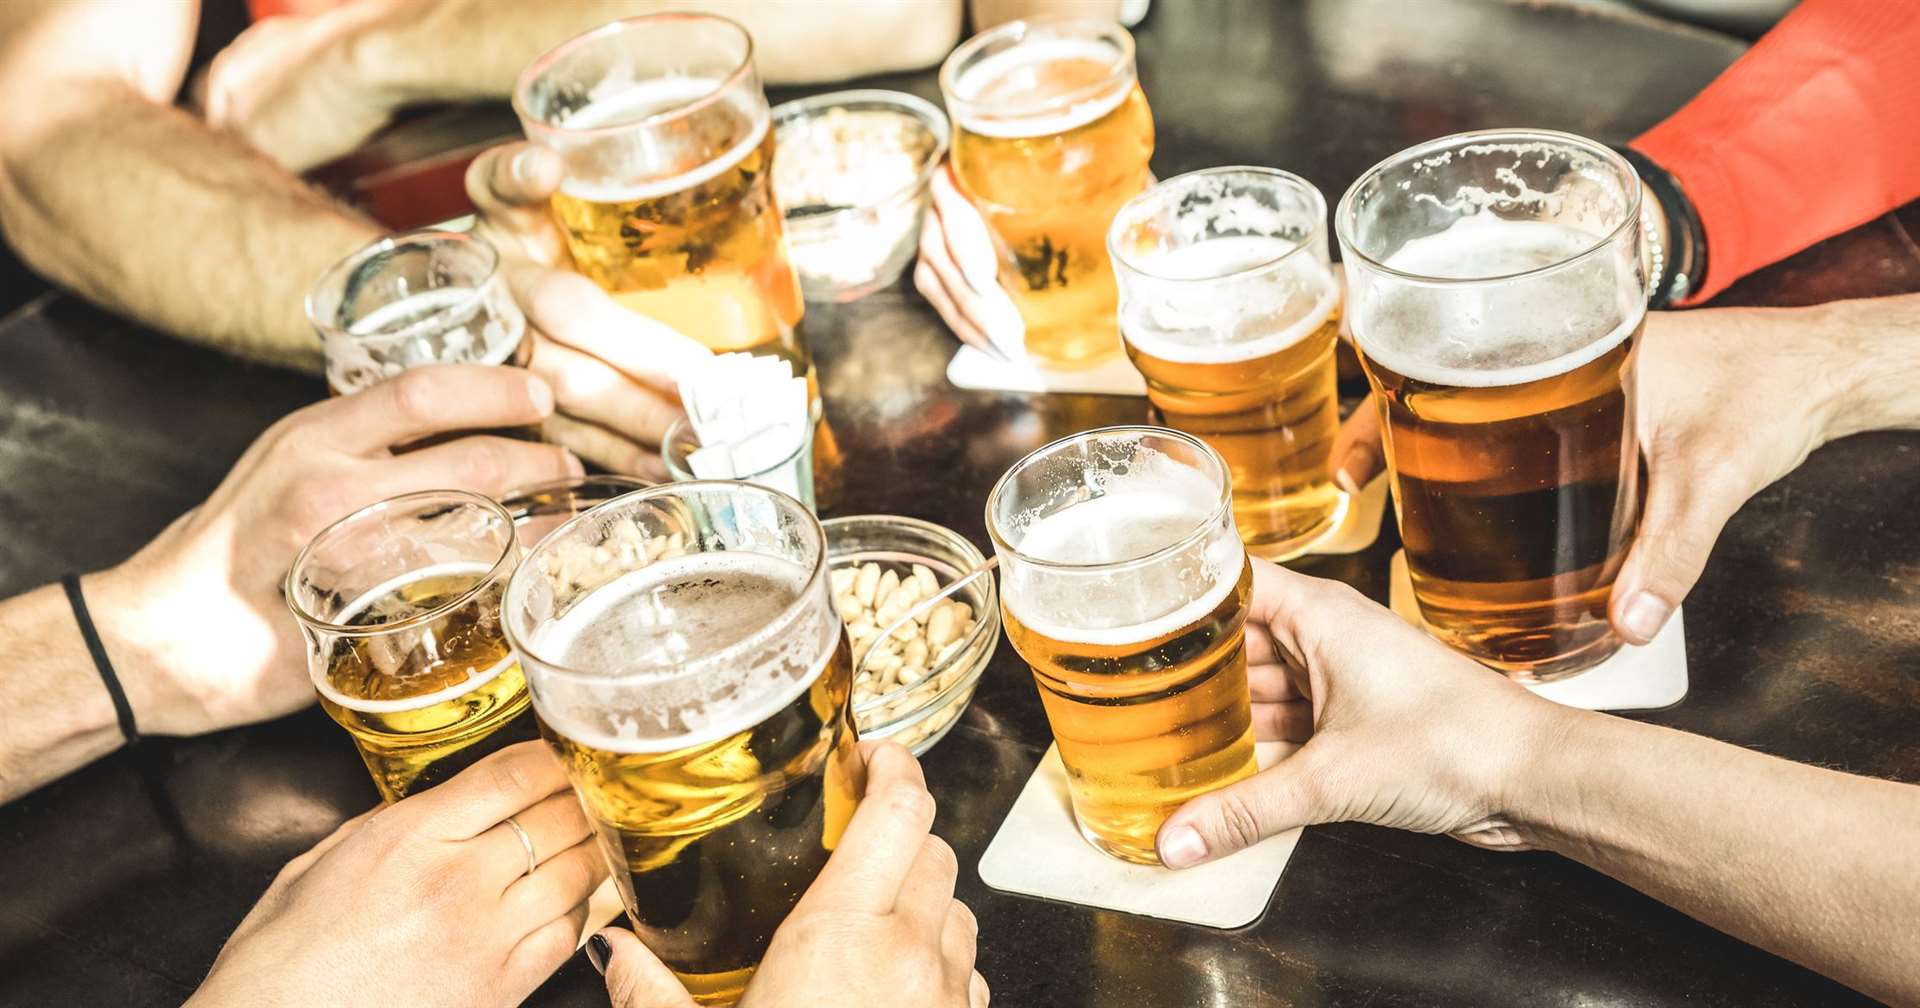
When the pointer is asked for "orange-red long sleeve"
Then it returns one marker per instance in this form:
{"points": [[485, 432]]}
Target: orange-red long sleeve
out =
{"points": [[1815, 130]]}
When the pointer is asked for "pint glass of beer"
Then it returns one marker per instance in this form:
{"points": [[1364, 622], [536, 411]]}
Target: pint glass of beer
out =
{"points": [[1495, 289], [1051, 135], [1230, 311], [668, 199], [418, 297], [1124, 585], [688, 666], [400, 606]]}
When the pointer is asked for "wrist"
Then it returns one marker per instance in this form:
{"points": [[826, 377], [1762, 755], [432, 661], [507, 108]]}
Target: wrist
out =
{"points": [[1534, 792], [1875, 347], [137, 645]]}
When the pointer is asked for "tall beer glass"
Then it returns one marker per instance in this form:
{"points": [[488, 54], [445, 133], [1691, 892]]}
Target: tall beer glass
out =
{"points": [[1230, 311], [1124, 586], [688, 666], [417, 297], [1496, 292], [668, 199], [1051, 135], [400, 606]]}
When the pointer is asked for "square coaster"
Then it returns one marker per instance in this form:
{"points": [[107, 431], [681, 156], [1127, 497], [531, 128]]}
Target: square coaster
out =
{"points": [[1635, 678], [974, 369], [1039, 852], [1360, 526]]}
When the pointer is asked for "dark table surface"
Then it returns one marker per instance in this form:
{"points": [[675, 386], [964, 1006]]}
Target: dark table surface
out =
{"points": [[119, 883]]}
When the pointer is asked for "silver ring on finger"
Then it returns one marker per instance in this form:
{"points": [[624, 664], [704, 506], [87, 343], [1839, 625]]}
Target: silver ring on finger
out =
{"points": [[526, 843]]}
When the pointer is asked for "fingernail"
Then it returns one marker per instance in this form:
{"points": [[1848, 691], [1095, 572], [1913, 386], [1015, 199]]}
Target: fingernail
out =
{"points": [[540, 396], [1644, 615], [1345, 481], [523, 166], [598, 950], [575, 468], [1181, 847]]}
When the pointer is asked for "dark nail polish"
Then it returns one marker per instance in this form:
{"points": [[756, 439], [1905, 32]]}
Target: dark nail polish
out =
{"points": [[598, 949]]}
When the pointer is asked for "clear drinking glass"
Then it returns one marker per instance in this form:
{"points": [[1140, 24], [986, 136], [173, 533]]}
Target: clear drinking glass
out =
{"points": [[1231, 312], [1125, 587], [791, 474], [1495, 289]]}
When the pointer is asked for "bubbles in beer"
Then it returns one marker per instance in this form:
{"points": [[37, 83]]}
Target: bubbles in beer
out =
{"points": [[1012, 92], [389, 674], [692, 649], [665, 159], [1495, 334], [1279, 301]]}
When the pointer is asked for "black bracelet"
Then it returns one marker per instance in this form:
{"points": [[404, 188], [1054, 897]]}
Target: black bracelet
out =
{"points": [[121, 707], [1686, 254]]}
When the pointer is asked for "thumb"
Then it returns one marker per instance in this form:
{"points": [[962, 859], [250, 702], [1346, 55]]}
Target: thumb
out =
{"points": [[513, 176], [1683, 516], [1271, 802], [1357, 454], [635, 977]]}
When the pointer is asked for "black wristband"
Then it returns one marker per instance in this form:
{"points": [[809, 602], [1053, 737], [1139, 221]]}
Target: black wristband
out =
{"points": [[121, 707], [1686, 265]]}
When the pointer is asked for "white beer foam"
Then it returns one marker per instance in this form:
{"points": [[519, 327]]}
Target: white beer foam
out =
{"points": [[1239, 319], [617, 628], [1497, 334], [636, 102], [474, 680], [1022, 57]]}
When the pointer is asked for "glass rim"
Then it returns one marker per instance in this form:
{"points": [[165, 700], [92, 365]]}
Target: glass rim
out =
{"points": [[1318, 227], [682, 427], [925, 112], [1121, 65], [1351, 252], [347, 265], [547, 667], [509, 557], [1222, 505], [523, 87], [523, 495]]}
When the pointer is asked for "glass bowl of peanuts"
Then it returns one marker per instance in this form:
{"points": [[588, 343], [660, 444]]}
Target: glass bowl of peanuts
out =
{"points": [[922, 676]]}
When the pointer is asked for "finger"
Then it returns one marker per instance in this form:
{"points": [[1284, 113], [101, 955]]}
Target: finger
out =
{"points": [[1682, 519], [535, 957], [1283, 722], [562, 884], [969, 244], [433, 399], [568, 308], [476, 799], [602, 908], [1270, 683], [483, 463], [636, 978], [553, 825], [587, 389], [927, 891], [928, 283], [978, 994], [604, 448], [959, 937], [514, 176], [1358, 455], [960, 252], [1277, 799], [299, 865], [883, 839]]}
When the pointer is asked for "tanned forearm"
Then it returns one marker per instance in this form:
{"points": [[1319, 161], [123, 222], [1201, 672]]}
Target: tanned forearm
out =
{"points": [[1811, 864], [1879, 341]]}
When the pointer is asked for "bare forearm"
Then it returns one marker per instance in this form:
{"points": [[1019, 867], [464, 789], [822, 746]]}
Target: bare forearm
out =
{"points": [[1814, 865], [1880, 340], [189, 231], [55, 715], [471, 49]]}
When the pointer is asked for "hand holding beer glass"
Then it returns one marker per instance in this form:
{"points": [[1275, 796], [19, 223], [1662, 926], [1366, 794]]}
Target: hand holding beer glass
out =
{"points": [[1051, 135], [1124, 586], [1229, 309], [1496, 292], [688, 666]]}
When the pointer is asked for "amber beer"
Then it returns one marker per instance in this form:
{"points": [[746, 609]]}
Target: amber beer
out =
{"points": [[414, 665], [1129, 602], [700, 701], [1231, 313], [1501, 349], [1051, 135]]}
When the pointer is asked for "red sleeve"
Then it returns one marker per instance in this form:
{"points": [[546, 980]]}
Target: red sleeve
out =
{"points": [[1815, 130]]}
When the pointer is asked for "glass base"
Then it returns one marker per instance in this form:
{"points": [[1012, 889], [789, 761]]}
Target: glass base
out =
{"points": [[1131, 853], [1281, 550], [1562, 667]]}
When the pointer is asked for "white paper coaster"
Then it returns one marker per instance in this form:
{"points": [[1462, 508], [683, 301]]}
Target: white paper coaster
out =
{"points": [[973, 369], [1040, 852], [1635, 678], [1360, 526]]}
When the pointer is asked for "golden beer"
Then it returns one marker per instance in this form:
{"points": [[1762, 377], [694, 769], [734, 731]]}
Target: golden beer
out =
{"points": [[1500, 347], [1130, 605], [1052, 135], [700, 700], [1231, 313], [416, 667]]}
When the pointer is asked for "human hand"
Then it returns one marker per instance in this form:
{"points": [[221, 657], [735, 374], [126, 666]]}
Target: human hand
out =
{"points": [[879, 926], [1730, 400], [612, 370], [195, 621], [426, 902], [289, 86], [957, 272], [1398, 730]]}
